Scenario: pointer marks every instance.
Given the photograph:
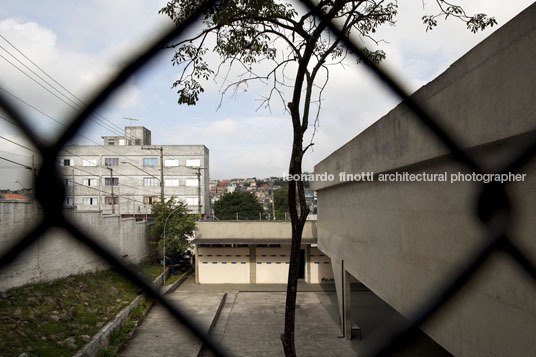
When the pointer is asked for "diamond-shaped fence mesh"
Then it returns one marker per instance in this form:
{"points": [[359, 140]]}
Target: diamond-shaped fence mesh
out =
{"points": [[493, 207]]}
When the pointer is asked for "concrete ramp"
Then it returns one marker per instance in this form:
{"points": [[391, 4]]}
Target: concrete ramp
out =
{"points": [[160, 334]]}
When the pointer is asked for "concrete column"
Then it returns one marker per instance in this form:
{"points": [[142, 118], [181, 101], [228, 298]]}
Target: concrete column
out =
{"points": [[336, 265], [347, 306], [344, 296], [308, 263], [253, 264], [196, 266]]}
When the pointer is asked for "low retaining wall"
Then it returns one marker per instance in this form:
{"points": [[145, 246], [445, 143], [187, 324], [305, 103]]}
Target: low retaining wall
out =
{"points": [[92, 348], [56, 253]]}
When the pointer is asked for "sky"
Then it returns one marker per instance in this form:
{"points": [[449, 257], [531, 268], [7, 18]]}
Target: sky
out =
{"points": [[80, 44]]}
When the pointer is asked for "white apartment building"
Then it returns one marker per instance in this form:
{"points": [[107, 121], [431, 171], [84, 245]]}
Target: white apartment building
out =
{"points": [[127, 174]]}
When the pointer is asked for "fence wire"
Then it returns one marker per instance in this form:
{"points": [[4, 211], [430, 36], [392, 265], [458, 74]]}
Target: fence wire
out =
{"points": [[493, 208]]}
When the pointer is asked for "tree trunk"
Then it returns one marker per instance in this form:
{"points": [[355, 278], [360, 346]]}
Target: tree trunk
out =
{"points": [[297, 222]]}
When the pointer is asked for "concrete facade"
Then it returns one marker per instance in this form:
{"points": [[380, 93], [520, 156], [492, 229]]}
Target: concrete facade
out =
{"points": [[57, 254], [136, 174], [403, 239], [255, 252]]}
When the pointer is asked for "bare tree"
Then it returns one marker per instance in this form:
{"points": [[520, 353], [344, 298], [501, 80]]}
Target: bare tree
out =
{"points": [[290, 51]]}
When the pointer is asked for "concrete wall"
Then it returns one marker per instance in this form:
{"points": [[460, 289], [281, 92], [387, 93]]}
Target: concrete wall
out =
{"points": [[272, 264], [402, 239], [222, 265], [56, 254], [251, 230], [261, 265], [320, 267]]}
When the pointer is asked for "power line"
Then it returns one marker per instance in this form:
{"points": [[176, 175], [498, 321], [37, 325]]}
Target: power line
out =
{"points": [[65, 150], [71, 153], [116, 174], [54, 94], [16, 163], [55, 81], [105, 121], [96, 189], [22, 146], [50, 117]]}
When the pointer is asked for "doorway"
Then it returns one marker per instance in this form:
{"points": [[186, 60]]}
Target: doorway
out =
{"points": [[301, 264]]}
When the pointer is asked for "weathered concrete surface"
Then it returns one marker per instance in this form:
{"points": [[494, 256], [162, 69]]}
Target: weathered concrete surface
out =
{"points": [[250, 230], [56, 253], [250, 322], [257, 320], [372, 315], [161, 335], [402, 239]]}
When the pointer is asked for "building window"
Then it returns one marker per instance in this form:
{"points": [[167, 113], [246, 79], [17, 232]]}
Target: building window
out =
{"points": [[109, 201], [149, 200], [122, 142], [90, 182], [192, 201], [67, 162], [171, 182], [89, 162], [150, 181], [68, 182], [111, 161], [191, 182], [89, 201], [193, 163], [171, 163], [111, 142], [150, 162], [111, 181], [137, 141], [68, 201]]}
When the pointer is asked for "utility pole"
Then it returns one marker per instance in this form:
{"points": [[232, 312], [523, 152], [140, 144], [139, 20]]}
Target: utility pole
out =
{"points": [[100, 184], [162, 174], [273, 203], [112, 185], [72, 183], [199, 191], [33, 176]]}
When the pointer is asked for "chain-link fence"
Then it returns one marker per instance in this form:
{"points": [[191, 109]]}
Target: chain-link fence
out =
{"points": [[493, 208]]}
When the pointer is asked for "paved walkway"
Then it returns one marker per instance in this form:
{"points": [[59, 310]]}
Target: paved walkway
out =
{"points": [[252, 320], [255, 321], [160, 334]]}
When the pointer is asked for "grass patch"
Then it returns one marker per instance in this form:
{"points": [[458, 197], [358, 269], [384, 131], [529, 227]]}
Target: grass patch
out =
{"points": [[150, 270], [58, 318], [173, 278], [119, 338]]}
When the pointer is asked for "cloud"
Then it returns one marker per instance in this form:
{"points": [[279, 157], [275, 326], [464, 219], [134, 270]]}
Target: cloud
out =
{"points": [[12, 172], [82, 44], [239, 147], [80, 72]]}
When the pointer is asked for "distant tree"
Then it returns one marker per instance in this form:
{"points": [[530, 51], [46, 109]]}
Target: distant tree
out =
{"points": [[281, 203], [243, 203], [280, 182], [180, 226], [261, 182]]}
